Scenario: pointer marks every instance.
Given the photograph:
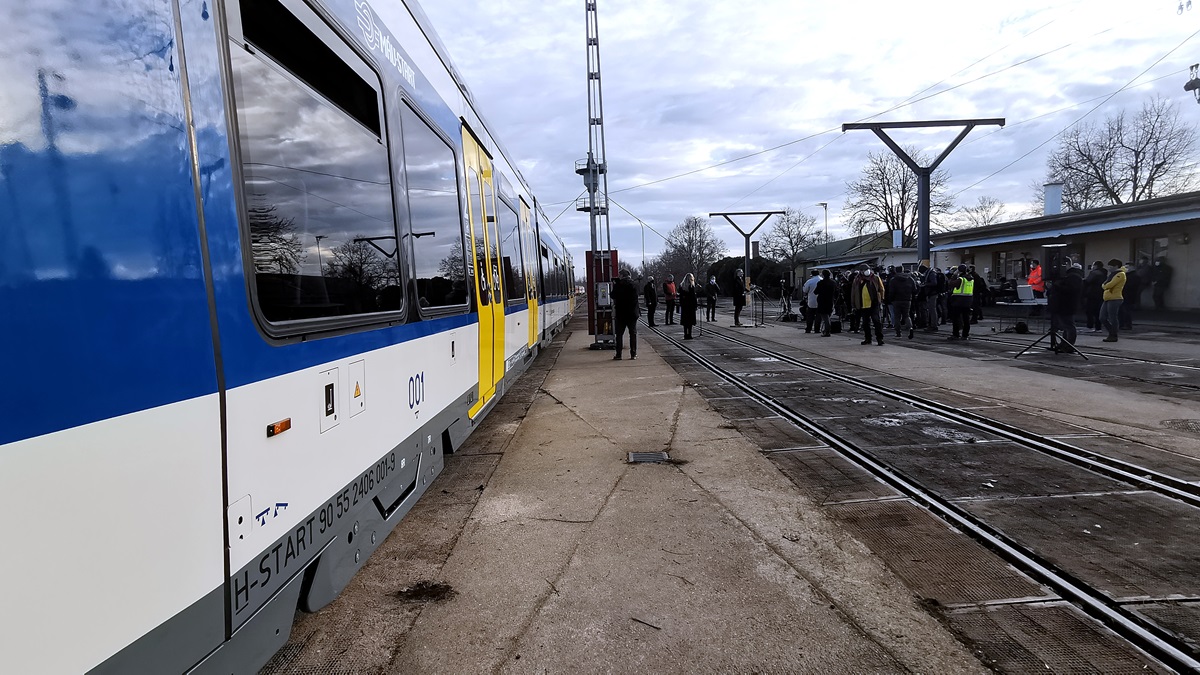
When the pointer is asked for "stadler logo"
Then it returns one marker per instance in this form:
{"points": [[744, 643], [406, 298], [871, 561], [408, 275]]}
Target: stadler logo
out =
{"points": [[376, 40]]}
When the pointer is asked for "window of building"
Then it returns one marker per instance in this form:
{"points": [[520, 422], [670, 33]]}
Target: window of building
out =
{"points": [[1149, 249], [434, 227], [317, 184]]}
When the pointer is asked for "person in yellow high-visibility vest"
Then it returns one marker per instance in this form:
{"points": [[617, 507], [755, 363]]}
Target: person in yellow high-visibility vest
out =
{"points": [[962, 292]]}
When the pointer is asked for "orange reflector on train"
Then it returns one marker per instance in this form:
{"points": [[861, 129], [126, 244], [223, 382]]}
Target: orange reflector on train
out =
{"points": [[279, 427]]}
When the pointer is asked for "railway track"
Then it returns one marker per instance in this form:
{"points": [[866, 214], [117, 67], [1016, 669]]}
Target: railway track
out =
{"points": [[1167, 646]]}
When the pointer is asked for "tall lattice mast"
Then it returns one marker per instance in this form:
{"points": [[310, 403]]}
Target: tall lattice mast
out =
{"points": [[594, 170]]}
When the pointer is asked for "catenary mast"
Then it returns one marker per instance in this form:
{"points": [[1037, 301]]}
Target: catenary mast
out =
{"points": [[594, 170]]}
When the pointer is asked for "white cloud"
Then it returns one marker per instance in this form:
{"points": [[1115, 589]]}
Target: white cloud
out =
{"points": [[687, 85]]}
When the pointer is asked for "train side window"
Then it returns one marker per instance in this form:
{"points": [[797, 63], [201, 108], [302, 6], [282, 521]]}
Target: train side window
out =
{"points": [[317, 182], [435, 223], [510, 252]]}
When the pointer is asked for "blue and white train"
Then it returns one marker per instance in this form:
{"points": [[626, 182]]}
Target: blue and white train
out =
{"points": [[262, 265]]}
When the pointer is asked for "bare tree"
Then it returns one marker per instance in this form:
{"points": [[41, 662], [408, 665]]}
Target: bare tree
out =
{"points": [[789, 236], [359, 262], [1126, 159], [986, 211], [274, 241], [691, 247], [885, 196], [451, 267]]}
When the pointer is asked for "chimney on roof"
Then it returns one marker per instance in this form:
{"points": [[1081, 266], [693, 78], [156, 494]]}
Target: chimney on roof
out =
{"points": [[897, 238], [1053, 199]]}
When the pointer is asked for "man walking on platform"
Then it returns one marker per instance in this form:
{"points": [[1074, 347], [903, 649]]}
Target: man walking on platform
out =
{"points": [[651, 295], [625, 313]]}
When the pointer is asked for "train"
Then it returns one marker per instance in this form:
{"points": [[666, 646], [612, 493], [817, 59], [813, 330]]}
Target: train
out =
{"points": [[263, 265]]}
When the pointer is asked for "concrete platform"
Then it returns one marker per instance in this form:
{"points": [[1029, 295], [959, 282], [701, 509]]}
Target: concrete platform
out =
{"points": [[540, 549]]}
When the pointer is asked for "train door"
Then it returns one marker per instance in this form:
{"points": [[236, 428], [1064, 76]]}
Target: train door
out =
{"points": [[527, 257], [485, 268]]}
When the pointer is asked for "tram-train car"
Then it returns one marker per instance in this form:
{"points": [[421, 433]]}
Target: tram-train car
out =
{"points": [[262, 265]]}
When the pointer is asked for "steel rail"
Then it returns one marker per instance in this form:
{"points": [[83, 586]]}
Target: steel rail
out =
{"points": [[1137, 631], [997, 339], [1149, 479]]}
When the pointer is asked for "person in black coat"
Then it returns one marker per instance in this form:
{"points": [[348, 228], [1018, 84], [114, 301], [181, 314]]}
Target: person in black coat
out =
{"points": [[711, 291], [739, 295], [1131, 294], [902, 288], [687, 304], [826, 292], [1161, 279], [1063, 302], [651, 295], [1093, 295], [625, 313]]}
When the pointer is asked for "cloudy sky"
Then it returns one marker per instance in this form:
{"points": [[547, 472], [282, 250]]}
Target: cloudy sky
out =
{"points": [[692, 88]]}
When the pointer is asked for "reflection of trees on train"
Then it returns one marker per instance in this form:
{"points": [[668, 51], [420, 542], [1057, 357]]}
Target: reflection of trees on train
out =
{"points": [[451, 267], [273, 241], [358, 262], [448, 287], [362, 278]]}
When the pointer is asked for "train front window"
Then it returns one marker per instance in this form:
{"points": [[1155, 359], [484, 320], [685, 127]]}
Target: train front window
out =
{"points": [[317, 187]]}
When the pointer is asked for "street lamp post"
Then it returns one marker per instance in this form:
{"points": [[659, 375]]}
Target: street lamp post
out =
{"points": [[825, 206]]}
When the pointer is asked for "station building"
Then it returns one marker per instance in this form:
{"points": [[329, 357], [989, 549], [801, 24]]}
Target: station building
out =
{"points": [[1138, 233]]}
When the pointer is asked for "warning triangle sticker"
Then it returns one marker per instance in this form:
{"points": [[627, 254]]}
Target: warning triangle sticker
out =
{"points": [[357, 391]]}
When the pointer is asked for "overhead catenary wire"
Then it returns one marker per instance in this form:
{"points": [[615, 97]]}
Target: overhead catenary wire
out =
{"points": [[568, 205], [1081, 117], [640, 221], [912, 100]]}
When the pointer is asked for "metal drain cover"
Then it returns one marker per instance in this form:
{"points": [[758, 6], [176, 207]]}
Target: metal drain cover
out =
{"points": [[1192, 426], [648, 457]]}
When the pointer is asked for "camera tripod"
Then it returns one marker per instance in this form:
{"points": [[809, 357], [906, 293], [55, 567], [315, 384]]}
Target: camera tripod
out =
{"points": [[1057, 344]]}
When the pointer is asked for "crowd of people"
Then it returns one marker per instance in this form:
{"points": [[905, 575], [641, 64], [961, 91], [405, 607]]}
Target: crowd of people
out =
{"points": [[875, 299], [681, 302], [872, 300], [1109, 295]]}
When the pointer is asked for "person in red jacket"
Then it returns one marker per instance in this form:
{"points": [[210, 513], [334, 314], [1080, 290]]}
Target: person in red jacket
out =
{"points": [[1035, 279]]}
